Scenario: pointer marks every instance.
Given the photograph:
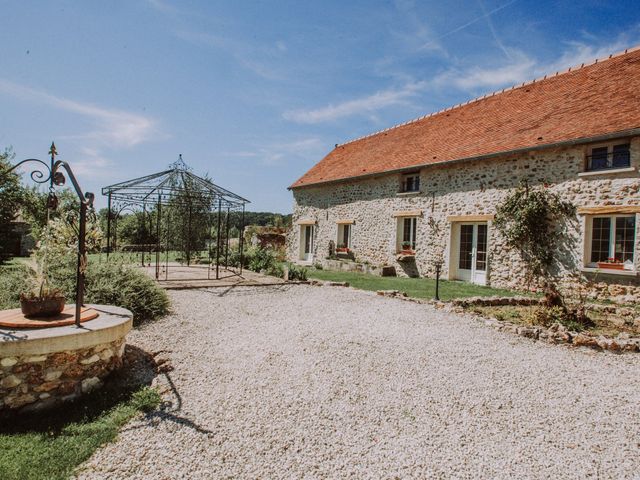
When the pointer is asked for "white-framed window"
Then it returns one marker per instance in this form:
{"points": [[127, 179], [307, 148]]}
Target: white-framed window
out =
{"points": [[407, 233], [344, 235], [410, 182], [611, 240], [608, 156]]}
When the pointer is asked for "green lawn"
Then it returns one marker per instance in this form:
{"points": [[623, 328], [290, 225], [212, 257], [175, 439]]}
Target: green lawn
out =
{"points": [[413, 287], [51, 445]]}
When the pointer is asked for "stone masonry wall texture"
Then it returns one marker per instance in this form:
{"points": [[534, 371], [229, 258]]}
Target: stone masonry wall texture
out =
{"points": [[40, 381], [465, 188]]}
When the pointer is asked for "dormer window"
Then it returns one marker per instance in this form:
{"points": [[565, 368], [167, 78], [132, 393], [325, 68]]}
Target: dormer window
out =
{"points": [[607, 157], [410, 182]]}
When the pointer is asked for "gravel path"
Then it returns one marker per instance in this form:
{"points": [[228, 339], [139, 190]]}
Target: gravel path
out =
{"points": [[311, 382]]}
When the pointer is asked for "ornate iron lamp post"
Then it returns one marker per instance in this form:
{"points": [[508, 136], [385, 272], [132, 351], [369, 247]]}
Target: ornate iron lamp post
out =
{"points": [[52, 174]]}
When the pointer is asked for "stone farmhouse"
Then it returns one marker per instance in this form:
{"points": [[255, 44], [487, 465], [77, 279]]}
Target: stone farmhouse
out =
{"points": [[426, 191]]}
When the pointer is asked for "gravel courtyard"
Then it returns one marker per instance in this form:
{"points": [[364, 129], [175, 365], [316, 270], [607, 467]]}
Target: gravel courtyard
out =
{"points": [[329, 382]]}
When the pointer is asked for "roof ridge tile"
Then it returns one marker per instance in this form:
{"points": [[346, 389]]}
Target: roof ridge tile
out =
{"points": [[495, 92]]}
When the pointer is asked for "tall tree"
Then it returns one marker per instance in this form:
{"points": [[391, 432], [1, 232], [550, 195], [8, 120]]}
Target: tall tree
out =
{"points": [[11, 197]]}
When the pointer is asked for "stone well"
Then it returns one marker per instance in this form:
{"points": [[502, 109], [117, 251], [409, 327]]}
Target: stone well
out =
{"points": [[40, 367]]}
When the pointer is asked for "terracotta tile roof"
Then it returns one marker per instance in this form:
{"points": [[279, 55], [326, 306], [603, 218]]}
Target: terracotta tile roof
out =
{"points": [[584, 102]]}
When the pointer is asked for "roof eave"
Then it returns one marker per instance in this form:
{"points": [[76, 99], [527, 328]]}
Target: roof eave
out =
{"points": [[564, 143]]}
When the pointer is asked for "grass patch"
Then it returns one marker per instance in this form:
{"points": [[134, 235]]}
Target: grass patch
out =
{"points": [[413, 287], [51, 445]]}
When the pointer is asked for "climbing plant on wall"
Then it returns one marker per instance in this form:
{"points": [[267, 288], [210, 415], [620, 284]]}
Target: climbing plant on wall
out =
{"points": [[530, 220]]}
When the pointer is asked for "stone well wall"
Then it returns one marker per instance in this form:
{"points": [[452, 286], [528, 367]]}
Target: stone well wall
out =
{"points": [[44, 367], [469, 188]]}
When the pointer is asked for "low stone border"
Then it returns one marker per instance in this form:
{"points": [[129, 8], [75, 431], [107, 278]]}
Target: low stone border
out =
{"points": [[496, 301], [558, 334]]}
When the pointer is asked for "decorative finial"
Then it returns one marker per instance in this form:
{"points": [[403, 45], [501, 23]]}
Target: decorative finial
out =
{"points": [[52, 150], [179, 164]]}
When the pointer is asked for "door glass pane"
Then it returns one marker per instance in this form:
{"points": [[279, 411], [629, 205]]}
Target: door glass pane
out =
{"points": [[307, 239], [345, 235], [466, 247], [481, 248], [414, 222], [600, 235], [625, 238]]}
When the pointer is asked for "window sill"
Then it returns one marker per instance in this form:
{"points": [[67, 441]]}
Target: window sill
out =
{"points": [[408, 194], [609, 171], [610, 271]]}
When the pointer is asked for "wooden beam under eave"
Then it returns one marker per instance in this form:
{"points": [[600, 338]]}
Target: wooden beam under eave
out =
{"points": [[408, 213], [609, 209], [470, 218]]}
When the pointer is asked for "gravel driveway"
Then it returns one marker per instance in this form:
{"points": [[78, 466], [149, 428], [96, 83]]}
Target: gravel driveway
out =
{"points": [[330, 382]]}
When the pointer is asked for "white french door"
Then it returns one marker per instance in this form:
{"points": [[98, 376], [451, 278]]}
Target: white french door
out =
{"points": [[472, 252], [306, 243]]}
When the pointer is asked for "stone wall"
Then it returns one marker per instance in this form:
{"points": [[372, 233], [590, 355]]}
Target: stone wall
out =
{"points": [[41, 367], [39, 381], [465, 188]]}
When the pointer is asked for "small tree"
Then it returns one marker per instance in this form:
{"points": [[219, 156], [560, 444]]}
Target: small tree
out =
{"points": [[529, 221], [11, 197]]}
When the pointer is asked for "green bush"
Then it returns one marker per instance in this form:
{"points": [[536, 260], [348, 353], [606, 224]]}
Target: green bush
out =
{"points": [[547, 316], [296, 272], [128, 287], [117, 284], [247, 256], [15, 279], [262, 259]]}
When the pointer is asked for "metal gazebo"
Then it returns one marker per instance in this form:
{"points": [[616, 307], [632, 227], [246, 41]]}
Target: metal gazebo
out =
{"points": [[177, 195]]}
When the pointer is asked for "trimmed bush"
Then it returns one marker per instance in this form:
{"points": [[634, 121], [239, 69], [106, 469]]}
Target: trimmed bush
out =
{"points": [[296, 272], [116, 284], [128, 287], [15, 279]]}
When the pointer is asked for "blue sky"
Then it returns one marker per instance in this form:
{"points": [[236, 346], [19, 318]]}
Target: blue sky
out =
{"points": [[255, 93]]}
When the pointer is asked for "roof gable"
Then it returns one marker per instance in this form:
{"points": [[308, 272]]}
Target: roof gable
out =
{"points": [[591, 101]]}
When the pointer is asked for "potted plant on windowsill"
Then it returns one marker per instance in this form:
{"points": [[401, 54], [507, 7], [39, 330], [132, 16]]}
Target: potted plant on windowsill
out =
{"points": [[342, 248], [406, 249], [611, 264]]}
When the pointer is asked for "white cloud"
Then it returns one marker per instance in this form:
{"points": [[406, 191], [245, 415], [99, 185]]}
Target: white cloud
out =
{"points": [[117, 128], [522, 68], [278, 153], [368, 104]]}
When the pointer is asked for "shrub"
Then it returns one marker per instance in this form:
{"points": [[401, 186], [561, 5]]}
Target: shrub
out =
{"points": [[531, 221], [574, 320], [117, 284], [263, 259], [296, 272], [128, 287], [275, 270], [14, 279]]}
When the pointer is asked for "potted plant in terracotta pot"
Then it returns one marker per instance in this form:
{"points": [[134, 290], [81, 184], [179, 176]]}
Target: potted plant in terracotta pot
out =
{"points": [[45, 302]]}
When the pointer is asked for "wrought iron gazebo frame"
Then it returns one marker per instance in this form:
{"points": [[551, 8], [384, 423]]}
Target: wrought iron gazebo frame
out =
{"points": [[167, 189]]}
